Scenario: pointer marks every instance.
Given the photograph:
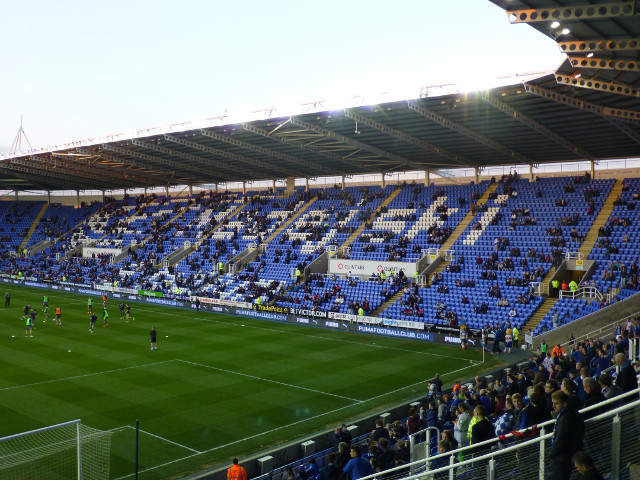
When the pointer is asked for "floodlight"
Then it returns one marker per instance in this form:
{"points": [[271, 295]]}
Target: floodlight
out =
{"points": [[555, 24]]}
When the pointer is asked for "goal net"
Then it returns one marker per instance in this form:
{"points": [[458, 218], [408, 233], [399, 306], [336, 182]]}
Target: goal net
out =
{"points": [[65, 451]]}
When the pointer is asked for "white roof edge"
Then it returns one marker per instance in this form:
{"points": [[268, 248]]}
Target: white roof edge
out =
{"points": [[230, 118]]}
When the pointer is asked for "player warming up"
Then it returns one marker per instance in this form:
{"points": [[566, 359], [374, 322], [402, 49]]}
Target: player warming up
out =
{"points": [[153, 335], [58, 314], [93, 319], [121, 307], [90, 305], [105, 318]]}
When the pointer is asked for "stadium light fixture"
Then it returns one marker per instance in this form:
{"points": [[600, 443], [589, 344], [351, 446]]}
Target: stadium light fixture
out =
{"points": [[566, 31], [555, 24]]}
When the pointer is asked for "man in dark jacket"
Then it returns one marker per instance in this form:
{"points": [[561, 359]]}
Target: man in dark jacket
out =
{"points": [[482, 430], [626, 378], [568, 435]]}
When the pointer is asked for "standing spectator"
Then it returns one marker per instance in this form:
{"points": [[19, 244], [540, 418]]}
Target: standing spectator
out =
{"points": [[236, 472], [585, 467], [482, 430], [568, 435], [377, 433], [330, 471], [626, 378], [357, 467], [413, 421]]}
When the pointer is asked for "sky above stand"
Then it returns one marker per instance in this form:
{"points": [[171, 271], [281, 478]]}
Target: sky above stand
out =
{"points": [[77, 70]]}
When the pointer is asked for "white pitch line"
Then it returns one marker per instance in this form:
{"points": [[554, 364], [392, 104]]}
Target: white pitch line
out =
{"points": [[269, 380], [82, 376], [278, 428], [164, 439]]}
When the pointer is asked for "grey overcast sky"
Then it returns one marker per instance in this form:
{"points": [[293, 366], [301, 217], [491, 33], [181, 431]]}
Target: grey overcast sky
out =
{"points": [[80, 69]]}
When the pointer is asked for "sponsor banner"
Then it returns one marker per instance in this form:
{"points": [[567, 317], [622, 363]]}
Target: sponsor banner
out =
{"points": [[79, 285], [271, 308], [162, 301], [449, 339], [368, 267], [32, 279], [5, 275], [377, 321], [309, 313], [269, 315], [341, 316], [446, 330], [218, 301], [147, 293], [35, 284], [87, 291], [392, 332], [334, 324], [89, 252]]}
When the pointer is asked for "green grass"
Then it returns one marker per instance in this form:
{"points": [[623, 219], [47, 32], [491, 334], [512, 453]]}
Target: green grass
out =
{"points": [[218, 386]]}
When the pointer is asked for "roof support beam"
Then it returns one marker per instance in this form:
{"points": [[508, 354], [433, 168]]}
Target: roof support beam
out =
{"points": [[619, 45], [102, 171], [605, 64], [591, 84], [356, 144], [264, 151], [25, 167], [624, 128], [17, 172], [218, 152], [621, 8], [467, 132], [303, 146], [45, 165], [459, 159], [102, 155], [581, 104], [200, 172], [533, 124]]}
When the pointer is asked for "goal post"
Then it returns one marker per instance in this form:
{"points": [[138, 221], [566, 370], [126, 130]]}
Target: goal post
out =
{"points": [[68, 450]]}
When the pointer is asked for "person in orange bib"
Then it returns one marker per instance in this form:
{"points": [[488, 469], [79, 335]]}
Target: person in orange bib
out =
{"points": [[236, 472], [58, 313]]}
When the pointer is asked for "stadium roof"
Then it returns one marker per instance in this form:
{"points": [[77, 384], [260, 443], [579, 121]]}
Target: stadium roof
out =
{"points": [[589, 109]]}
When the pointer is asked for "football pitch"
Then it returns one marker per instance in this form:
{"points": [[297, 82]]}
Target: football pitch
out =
{"points": [[218, 386]]}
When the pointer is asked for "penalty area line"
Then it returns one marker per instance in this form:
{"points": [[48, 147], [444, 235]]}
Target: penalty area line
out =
{"points": [[269, 380]]}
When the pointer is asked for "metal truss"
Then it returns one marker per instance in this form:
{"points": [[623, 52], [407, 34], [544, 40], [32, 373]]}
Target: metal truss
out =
{"points": [[264, 151], [31, 171], [534, 125], [48, 163], [590, 83], [107, 171], [581, 104], [124, 161], [586, 46], [624, 128], [202, 173], [220, 153], [621, 8], [467, 132], [356, 144], [605, 64], [301, 145], [459, 159]]}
